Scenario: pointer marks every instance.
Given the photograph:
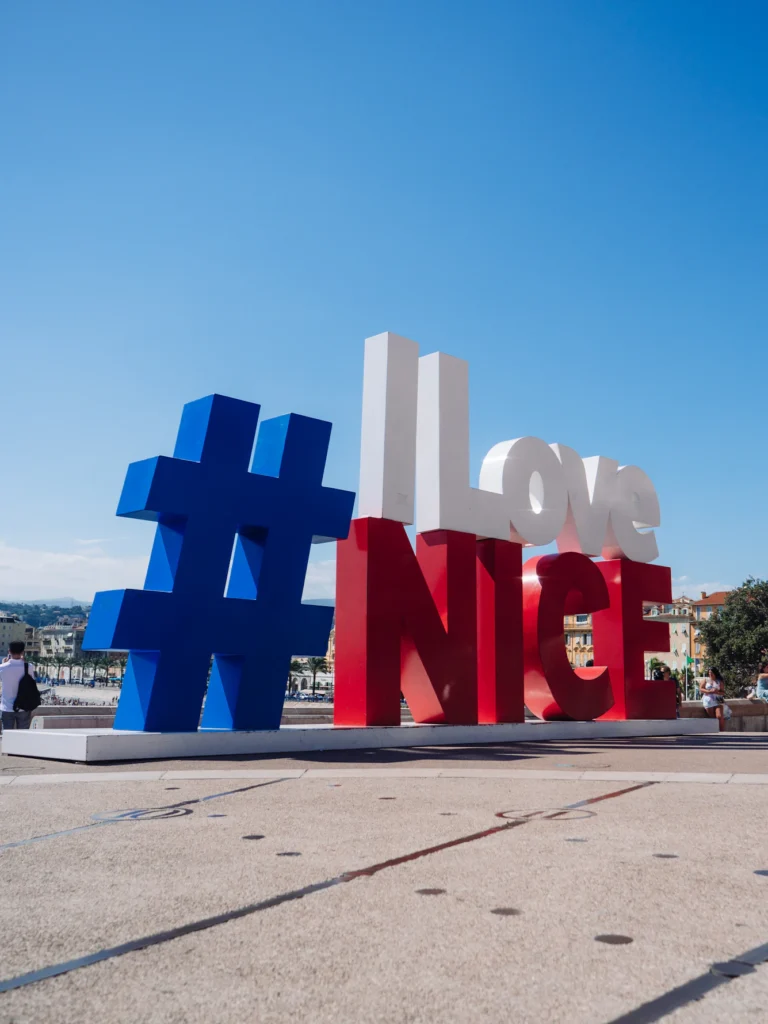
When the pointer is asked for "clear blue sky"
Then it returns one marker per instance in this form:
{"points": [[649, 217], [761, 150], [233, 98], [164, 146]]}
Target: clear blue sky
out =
{"points": [[230, 196]]}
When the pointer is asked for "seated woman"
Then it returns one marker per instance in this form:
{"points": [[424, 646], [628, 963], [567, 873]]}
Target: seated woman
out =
{"points": [[713, 697], [761, 684]]}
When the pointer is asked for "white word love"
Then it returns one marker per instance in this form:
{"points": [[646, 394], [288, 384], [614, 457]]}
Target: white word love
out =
{"points": [[414, 464]]}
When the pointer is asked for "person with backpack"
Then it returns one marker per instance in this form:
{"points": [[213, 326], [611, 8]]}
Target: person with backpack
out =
{"points": [[18, 691]]}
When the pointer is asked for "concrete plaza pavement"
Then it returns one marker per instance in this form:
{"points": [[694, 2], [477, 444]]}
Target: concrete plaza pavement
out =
{"points": [[418, 885]]}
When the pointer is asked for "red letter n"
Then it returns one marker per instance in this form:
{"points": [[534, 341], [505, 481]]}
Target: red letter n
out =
{"points": [[407, 622]]}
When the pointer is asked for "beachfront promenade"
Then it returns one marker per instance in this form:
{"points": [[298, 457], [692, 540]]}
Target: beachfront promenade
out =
{"points": [[570, 881]]}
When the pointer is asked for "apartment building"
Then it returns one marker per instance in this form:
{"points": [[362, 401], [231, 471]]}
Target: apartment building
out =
{"points": [[579, 641], [330, 655], [11, 628], [31, 643], [679, 617], [56, 641]]}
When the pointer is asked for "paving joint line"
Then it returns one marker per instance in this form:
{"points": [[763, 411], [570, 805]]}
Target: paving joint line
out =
{"points": [[374, 772]]}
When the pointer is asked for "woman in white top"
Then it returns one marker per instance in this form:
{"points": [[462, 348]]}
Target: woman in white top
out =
{"points": [[761, 683], [713, 697]]}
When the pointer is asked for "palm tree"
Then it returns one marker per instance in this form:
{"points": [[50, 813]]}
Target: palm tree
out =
{"points": [[316, 665], [59, 661], [122, 661], [295, 670], [87, 659], [77, 662], [105, 661]]}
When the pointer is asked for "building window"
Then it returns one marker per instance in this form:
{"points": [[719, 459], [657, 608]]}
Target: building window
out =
{"points": [[582, 618]]}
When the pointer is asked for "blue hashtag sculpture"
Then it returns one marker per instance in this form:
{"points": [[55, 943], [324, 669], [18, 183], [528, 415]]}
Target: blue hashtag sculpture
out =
{"points": [[226, 573]]}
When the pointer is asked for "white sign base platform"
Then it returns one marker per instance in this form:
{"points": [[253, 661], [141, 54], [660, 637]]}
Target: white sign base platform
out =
{"points": [[88, 745]]}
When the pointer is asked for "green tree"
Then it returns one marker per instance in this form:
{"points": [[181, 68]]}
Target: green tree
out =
{"points": [[655, 663], [736, 636], [316, 665], [42, 614]]}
